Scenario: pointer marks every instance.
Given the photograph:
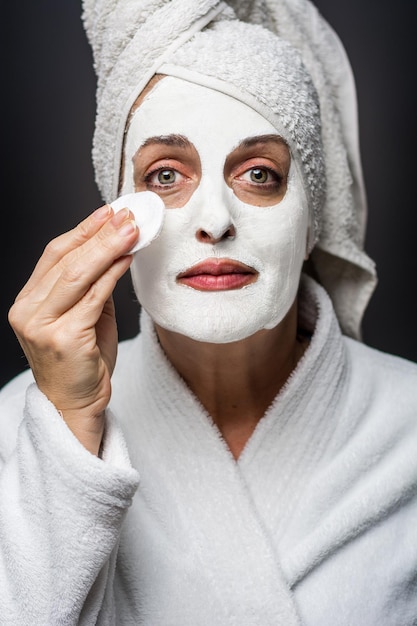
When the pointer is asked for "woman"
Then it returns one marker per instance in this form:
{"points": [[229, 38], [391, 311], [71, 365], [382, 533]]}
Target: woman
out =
{"points": [[242, 461]]}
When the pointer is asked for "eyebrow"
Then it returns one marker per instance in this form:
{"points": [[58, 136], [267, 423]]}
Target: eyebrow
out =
{"points": [[252, 141], [178, 141]]}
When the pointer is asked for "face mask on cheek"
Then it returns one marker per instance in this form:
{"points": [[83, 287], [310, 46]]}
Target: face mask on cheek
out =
{"points": [[270, 242]]}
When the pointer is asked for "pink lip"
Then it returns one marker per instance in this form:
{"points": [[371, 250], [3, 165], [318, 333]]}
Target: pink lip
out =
{"points": [[218, 275]]}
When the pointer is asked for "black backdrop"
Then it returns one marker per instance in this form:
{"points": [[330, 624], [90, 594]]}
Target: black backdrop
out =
{"points": [[48, 106]]}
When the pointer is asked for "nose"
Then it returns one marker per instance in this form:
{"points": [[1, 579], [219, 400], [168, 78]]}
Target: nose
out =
{"points": [[214, 221], [216, 234]]}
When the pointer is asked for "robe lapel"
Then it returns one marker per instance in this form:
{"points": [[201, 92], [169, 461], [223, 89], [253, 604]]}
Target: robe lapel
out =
{"points": [[193, 524], [297, 434]]}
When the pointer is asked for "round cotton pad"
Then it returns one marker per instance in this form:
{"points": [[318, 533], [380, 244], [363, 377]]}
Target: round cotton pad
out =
{"points": [[149, 212]]}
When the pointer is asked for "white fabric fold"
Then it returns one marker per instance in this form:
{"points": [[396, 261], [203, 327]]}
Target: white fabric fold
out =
{"points": [[61, 513]]}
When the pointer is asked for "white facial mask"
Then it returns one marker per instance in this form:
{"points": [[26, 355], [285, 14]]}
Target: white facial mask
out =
{"points": [[272, 240]]}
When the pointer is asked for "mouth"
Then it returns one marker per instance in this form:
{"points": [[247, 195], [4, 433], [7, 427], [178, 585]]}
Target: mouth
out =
{"points": [[218, 275]]}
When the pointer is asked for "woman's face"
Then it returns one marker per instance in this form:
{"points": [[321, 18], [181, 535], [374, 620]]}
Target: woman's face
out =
{"points": [[229, 257]]}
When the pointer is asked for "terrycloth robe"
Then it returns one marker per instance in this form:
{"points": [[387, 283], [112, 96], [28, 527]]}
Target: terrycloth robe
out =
{"points": [[315, 524]]}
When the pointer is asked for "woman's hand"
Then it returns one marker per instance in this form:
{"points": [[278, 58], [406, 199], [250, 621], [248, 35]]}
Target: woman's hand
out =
{"points": [[64, 318]]}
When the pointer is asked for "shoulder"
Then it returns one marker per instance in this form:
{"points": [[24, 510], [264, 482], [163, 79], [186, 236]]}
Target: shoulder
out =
{"points": [[364, 352], [381, 374], [380, 407]]}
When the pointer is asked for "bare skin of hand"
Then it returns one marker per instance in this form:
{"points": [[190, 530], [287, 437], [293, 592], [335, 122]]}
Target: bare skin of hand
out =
{"points": [[64, 318]]}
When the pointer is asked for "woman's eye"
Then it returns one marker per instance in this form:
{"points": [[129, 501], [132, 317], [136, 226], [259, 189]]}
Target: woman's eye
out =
{"points": [[163, 177], [260, 175]]}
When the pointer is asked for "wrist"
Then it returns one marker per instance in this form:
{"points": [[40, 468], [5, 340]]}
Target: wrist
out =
{"points": [[88, 429]]}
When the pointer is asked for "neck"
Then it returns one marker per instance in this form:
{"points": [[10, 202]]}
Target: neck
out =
{"points": [[237, 382]]}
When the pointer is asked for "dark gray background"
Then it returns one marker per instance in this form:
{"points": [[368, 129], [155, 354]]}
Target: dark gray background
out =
{"points": [[48, 106]]}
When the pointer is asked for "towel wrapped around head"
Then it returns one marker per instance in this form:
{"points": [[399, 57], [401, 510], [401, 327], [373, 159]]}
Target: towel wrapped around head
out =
{"points": [[281, 58]]}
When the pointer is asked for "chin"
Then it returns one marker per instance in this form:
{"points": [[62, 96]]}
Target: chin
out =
{"points": [[217, 318], [216, 331]]}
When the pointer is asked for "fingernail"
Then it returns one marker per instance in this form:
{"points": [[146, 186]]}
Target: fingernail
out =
{"points": [[128, 228], [103, 212], [119, 217]]}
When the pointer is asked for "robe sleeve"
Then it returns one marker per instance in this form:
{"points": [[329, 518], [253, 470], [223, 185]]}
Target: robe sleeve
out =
{"points": [[61, 512]]}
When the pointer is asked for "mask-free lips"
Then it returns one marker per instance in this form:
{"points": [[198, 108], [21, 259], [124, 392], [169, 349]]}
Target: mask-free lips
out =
{"points": [[217, 275]]}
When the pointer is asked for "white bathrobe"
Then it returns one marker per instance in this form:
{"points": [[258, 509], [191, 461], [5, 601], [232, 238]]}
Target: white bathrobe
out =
{"points": [[316, 523]]}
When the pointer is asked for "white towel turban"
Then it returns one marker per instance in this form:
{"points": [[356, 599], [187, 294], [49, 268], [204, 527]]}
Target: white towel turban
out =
{"points": [[281, 58]]}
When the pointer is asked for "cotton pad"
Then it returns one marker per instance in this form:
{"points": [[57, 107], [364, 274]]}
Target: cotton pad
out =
{"points": [[149, 211]]}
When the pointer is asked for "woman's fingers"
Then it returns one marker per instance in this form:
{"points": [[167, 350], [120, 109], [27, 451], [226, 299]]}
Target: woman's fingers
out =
{"points": [[69, 278], [88, 310], [67, 303], [81, 269], [65, 353], [65, 243]]}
